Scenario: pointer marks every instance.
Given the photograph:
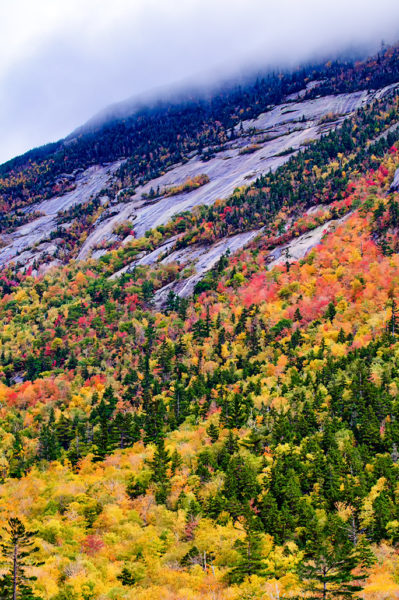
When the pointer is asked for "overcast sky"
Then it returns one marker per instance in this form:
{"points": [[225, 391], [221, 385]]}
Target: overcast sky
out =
{"points": [[61, 61]]}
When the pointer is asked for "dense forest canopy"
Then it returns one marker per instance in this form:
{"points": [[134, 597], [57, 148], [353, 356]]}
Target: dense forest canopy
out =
{"points": [[239, 444]]}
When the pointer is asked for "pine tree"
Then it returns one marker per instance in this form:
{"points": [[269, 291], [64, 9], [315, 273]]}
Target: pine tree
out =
{"points": [[135, 488], [17, 461], [238, 410], [160, 465], [126, 577], [240, 482], [19, 551], [331, 311], [297, 315], [154, 420], [176, 461], [124, 431], [213, 432], [251, 560], [64, 432], [269, 514], [330, 559], [231, 444], [48, 442], [382, 514], [103, 438], [394, 320]]}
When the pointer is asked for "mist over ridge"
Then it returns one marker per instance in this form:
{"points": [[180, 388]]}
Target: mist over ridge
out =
{"points": [[63, 64]]}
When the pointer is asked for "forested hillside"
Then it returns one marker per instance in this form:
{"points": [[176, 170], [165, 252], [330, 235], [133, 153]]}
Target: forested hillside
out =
{"points": [[156, 137], [239, 443]]}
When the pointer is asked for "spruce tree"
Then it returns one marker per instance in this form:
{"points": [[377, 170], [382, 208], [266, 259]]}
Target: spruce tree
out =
{"points": [[17, 462], [160, 465], [394, 320], [19, 550], [64, 432], [48, 441], [213, 432], [251, 560], [126, 577], [330, 559]]}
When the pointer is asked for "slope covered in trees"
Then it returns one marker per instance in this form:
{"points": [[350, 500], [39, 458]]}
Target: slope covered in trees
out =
{"points": [[157, 137], [243, 443]]}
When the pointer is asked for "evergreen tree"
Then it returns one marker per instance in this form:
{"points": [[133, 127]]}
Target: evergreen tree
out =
{"points": [[176, 461], [135, 488], [297, 315], [17, 462], [19, 550], [48, 442], [330, 559], [160, 465], [240, 481], [213, 432], [251, 560], [269, 515], [382, 513], [126, 577], [64, 432], [124, 431], [394, 320], [103, 438], [101, 415], [331, 311]]}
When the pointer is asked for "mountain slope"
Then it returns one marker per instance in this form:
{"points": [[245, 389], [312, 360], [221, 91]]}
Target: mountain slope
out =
{"points": [[95, 208], [306, 392], [155, 140], [224, 428]]}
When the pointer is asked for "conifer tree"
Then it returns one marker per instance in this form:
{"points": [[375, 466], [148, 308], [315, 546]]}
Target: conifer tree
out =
{"points": [[160, 465], [126, 577], [331, 311], [19, 550], [297, 315], [213, 432], [103, 438], [64, 432], [176, 461], [240, 482], [330, 560], [394, 320], [17, 462], [251, 560], [48, 442]]}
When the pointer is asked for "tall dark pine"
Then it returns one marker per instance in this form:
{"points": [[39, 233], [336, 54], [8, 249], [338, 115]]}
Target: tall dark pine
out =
{"points": [[48, 441], [251, 559], [19, 550], [160, 465], [330, 561]]}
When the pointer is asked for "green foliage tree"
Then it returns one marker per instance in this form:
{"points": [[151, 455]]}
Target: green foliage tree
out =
{"points": [[19, 552], [251, 558], [160, 464], [330, 559], [48, 441]]}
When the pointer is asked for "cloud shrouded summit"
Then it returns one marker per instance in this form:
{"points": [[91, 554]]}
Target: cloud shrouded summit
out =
{"points": [[62, 62]]}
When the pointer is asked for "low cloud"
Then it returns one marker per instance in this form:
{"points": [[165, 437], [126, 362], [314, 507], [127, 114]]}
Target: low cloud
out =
{"points": [[63, 62]]}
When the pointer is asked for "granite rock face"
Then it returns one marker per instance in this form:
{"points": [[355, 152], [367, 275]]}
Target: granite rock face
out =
{"points": [[395, 183], [271, 139]]}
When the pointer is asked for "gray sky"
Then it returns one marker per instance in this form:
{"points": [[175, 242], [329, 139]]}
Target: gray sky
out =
{"points": [[61, 61]]}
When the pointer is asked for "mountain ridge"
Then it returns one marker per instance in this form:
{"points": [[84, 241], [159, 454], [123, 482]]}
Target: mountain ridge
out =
{"points": [[207, 406]]}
